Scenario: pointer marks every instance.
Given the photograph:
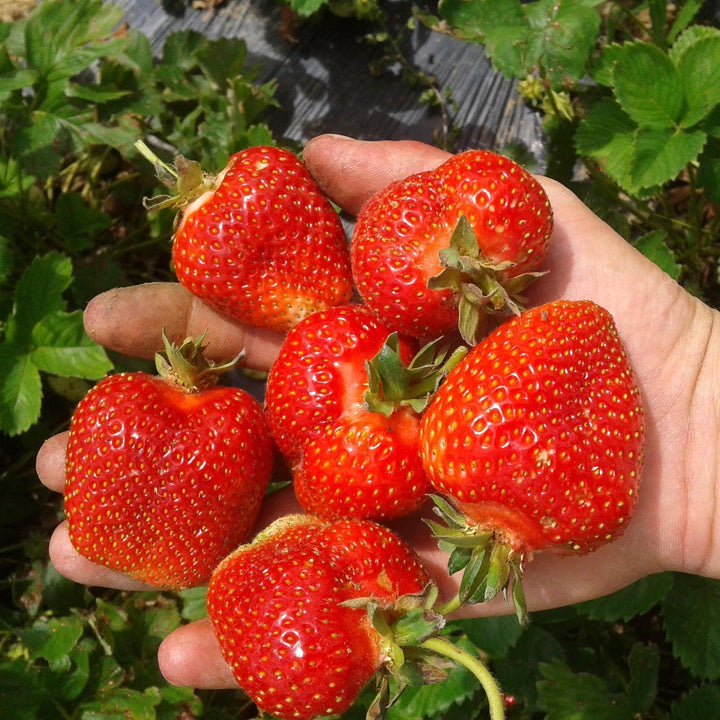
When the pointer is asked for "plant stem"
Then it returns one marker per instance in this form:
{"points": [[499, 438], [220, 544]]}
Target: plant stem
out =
{"points": [[476, 667], [449, 607]]}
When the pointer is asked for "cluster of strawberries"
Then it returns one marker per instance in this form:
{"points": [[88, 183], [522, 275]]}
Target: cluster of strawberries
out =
{"points": [[523, 425]]}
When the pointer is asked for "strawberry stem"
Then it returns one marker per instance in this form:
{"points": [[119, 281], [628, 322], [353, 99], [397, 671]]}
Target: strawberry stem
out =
{"points": [[185, 179], [186, 366], [476, 667]]}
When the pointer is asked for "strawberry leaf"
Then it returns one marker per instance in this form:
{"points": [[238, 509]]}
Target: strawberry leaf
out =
{"points": [[38, 293], [638, 598], [495, 635], [566, 695], [643, 664], [660, 154], [53, 639], [20, 391], [521, 38], [653, 245], [648, 86], [697, 57], [700, 702], [691, 616], [63, 348]]}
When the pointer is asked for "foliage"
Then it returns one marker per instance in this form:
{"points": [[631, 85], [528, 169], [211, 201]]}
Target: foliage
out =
{"points": [[77, 89], [76, 92], [629, 95]]}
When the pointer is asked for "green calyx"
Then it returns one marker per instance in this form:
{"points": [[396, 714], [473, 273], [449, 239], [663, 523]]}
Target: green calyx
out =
{"points": [[185, 364], [484, 289], [392, 383], [416, 651], [185, 178], [488, 565]]}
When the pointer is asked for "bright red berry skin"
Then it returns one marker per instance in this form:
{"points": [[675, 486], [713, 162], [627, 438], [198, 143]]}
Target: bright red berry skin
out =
{"points": [[266, 246], [506, 206], [163, 483], [275, 606], [538, 433], [347, 461], [400, 232]]}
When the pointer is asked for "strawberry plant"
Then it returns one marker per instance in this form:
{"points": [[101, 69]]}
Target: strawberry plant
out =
{"points": [[630, 103]]}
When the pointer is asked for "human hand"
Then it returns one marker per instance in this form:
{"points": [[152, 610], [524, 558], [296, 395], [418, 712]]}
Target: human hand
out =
{"points": [[671, 339]]}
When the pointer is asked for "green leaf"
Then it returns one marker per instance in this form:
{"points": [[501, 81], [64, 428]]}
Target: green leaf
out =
{"points": [[7, 261], [648, 86], [564, 34], [223, 60], [708, 172], [644, 664], [653, 245], [608, 134], [121, 704], [691, 615], [20, 390], [39, 291], [517, 672], [565, 695], [637, 158], [697, 58], [660, 154], [702, 701], [493, 635], [557, 36], [63, 348], [193, 603], [684, 17], [636, 599], [64, 38], [22, 694], [53, 640], [77, 222], [305, 8]]}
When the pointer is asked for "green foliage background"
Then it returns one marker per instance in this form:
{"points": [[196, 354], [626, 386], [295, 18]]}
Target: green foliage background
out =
{"points": [[75, 94]]}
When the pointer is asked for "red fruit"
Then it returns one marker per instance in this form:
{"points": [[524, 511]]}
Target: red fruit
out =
{"points": [[259, 241], [537, 435], [443, 249], [347, 460], [165, 475], [276, 606]]}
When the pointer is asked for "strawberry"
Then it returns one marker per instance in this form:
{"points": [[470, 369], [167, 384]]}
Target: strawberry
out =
{"points": [[165, 474], [284, 610], [343, 403], [258, 241], [537, 439], [447, 248]]}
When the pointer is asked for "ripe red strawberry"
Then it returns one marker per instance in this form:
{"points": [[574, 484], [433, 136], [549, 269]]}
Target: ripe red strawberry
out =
{"points": [[537, 437], [286, 614], [165, 475], [344, 409], [446, 248], [259, 241]]}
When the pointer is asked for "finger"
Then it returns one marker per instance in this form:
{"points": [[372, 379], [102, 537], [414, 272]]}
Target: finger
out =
{"points": [[68, 562], [350, 171], [191, 656], [50, 462], [130, 320]]}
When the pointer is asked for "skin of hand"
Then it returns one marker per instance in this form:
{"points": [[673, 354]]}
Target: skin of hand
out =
{"points": [[672, 339]]}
